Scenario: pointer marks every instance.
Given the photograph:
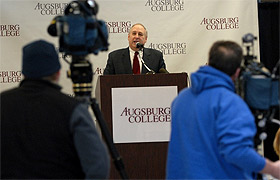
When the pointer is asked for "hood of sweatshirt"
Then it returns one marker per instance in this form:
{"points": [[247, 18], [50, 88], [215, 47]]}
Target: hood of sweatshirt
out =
{"points": [[208, 77]]}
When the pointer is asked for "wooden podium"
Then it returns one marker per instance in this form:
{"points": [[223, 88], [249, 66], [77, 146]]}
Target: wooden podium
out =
{"points": [[141, 160]]}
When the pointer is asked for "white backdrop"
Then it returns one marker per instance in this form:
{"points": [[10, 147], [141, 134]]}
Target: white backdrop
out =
{"points": [[182, 29]]}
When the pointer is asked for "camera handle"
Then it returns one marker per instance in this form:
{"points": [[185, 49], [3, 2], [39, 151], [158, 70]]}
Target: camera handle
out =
{"points": [[114, 153]]}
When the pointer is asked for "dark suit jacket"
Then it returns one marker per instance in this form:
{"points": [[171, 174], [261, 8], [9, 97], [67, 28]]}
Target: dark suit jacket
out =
{"points": [[119, 61]]}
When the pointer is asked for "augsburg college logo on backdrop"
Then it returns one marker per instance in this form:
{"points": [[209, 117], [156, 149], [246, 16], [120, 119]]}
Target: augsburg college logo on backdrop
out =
{"points": [[10, 76], [8, 30], [223, 23], [170, 48], [51, 8], [165, 5], [118, 26]]}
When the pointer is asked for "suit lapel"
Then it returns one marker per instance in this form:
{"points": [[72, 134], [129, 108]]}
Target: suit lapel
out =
{"points": [[126, 61], [146, 58]]}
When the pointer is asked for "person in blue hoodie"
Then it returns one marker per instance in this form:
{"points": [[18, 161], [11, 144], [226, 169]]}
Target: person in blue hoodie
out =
{"points": [[212, 128]]}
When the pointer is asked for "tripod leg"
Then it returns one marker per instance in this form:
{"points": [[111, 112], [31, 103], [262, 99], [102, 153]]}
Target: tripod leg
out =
{"points": [[114, 153]]}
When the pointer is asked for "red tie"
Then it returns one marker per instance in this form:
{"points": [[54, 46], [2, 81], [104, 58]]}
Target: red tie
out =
{"points": [[136, 66]]}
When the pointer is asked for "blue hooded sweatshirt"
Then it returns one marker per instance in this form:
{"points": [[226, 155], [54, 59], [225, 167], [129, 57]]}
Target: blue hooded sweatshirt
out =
{"points": [[212, 131]]}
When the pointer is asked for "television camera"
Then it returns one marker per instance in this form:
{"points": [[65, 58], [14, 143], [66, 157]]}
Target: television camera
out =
{"points": [[81, 33], [259, 88]]}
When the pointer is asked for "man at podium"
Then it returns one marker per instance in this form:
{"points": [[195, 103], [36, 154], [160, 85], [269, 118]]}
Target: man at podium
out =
{"points": [[135, 59]]}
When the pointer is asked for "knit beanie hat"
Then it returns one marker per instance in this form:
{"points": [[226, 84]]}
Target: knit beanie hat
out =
{"points": [[39, 59]]}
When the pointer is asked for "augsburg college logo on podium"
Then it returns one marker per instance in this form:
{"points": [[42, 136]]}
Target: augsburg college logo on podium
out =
{"points": [[142, 114], [147, 115]]}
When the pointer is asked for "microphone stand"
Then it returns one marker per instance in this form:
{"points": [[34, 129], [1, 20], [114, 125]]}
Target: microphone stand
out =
{"points": [[143, 62], [115, 155]]}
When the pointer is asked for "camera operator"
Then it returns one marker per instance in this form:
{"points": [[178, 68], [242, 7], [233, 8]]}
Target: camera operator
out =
{"points": [[212, 128], [46, 134]]}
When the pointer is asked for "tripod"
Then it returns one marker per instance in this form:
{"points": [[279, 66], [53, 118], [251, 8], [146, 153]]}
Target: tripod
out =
{"points": [[81, 75], [262, 119], [114, 153]]}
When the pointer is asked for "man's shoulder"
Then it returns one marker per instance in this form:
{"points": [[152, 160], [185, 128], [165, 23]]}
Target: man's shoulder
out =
{"points": [[64, 101], [152, 51], [9, 92], [68, 97], [119, 51]]}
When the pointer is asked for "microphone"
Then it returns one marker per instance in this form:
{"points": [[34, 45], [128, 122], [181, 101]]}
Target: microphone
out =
{"points": [[52, 29], [248, 38], [163, 70], [139, 45]]}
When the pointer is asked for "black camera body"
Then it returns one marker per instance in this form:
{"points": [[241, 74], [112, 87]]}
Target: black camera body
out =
{"points": [[259, 88], [80, 34]]}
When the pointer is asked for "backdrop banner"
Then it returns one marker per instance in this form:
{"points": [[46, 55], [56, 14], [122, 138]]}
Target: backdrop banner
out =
{"points": [[183, 30]]}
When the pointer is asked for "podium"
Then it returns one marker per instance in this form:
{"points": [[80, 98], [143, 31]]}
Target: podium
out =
{"points": [[141, 160]]}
